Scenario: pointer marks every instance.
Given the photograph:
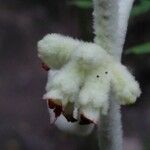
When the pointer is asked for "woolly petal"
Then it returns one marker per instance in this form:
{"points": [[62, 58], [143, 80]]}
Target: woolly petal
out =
{"points": [[55, 49], [96, 88], [51, 75], [89, 55], [53, 94], [125, 87], [73, 128], [66, 81]]}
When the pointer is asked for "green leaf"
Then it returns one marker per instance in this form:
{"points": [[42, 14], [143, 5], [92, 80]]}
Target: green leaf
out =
{"points": [[85, 4], [142, 8], [140, 49]]}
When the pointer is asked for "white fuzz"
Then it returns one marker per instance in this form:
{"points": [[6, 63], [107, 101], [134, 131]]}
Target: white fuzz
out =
{"points": [[89, 55], [124, 13], [124, 85], [64, 84], [52, 93], [55, 49], [96, 88], [105, 23], [51, 75], [85, 75]]}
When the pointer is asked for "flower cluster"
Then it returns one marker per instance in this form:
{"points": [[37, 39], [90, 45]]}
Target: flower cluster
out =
{"points": [[80, 79]]}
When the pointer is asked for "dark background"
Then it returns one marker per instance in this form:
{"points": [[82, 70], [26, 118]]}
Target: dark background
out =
{"points": [[24, 120]]}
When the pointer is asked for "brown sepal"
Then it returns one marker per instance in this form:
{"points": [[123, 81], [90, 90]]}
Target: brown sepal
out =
{"points": [[57, 107], [69, 117], [84, 120], [45, 67]]}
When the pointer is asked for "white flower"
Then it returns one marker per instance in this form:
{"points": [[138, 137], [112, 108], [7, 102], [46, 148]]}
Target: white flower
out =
{"points": [[78, 91]]}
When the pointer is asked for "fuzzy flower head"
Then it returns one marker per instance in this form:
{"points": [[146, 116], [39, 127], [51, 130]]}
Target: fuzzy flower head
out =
{"points": [[80, 79]]}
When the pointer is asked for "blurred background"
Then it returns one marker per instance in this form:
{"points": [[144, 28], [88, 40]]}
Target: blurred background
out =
{"points": [[24, 120]]}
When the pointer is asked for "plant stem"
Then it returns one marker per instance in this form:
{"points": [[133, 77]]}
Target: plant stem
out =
{"points": [[110, 25]]}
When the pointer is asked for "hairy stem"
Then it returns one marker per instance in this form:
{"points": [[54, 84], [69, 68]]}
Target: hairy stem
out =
{"points": [[105, 23], [110, 25]]}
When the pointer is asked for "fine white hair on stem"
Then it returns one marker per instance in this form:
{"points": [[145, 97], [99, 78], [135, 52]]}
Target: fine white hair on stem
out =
{"points": [[105, 23], [125, 7], [110, 25]]}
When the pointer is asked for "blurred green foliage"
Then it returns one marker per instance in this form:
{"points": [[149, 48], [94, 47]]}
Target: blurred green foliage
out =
{"points": [[140, 8], [140, 49], [83, 4]]}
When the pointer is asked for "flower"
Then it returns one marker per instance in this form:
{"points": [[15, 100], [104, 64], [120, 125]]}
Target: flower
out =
{"points": [[79, 82]]}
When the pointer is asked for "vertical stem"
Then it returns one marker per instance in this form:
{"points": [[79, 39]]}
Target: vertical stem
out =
{"points": [[105, 23], [125, 7], [110, 25], [110, 128], [115, 126]]}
